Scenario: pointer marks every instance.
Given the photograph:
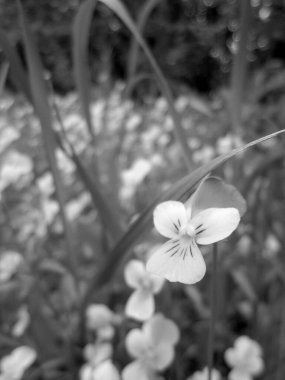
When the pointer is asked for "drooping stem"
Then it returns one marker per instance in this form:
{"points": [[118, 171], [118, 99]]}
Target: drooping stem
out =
{"points": [[213, 305]]}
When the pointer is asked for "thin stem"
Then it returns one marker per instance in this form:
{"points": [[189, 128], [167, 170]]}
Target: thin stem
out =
{"points": [[213, 305], [281, 345]]}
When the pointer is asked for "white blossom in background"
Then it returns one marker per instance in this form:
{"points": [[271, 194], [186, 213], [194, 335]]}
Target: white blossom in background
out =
{"points": [[23, 320], [204, 154], [133, 176], [100, 319], [13, 366], [105, 370], [227, 143], [99, 365], [140, 304], [204, 375], [10, 263], [245, 359], [180, 259], [152, 347], [15, 168]]}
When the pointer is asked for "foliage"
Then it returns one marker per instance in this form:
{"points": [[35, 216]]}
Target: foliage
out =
{"points": [[72, 218], [193, 41]]}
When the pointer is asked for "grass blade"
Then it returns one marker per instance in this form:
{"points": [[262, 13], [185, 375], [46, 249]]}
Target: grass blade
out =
{"points": [[43, 110], [3, 76], [240, 65], [82, 77], [110, 220], [144, 13], [83, 19], [18, 73]]}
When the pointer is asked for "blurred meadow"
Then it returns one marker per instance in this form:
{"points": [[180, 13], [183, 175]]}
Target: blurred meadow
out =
{"points": [[108, 109]]}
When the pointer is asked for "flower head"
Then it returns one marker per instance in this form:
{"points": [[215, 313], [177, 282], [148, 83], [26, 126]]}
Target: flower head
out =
{"points": [[105, 370], [186, 225], [245, 359], [152, 347], [99, 364], [100, 319], [140, 305], [97, 353], [13, 366], [204, 375]]}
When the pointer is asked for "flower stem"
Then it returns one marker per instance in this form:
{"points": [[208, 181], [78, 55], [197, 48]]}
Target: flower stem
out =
{"points": [[281, 345], [213, 305]]}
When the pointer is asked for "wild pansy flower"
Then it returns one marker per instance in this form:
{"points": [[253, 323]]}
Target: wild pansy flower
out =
{"points": [[100, 319], [99, 364], [204, 375], [245, 359], [189, 224], [140, 305], [13, 366], [152, 346]]}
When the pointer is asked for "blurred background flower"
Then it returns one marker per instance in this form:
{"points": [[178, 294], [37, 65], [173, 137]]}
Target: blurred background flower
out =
{"points": [[140, 304], [152, 347], [245, 359]]}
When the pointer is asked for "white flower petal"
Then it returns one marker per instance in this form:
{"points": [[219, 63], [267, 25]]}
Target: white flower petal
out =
{"points": [[105, 333], [97, 353], [204, 374], [178, 262], [168, 217], [245, 357], [238, 374], [255, 365], [214, 192], [98, 316], [136, 343], [135, 371], [134, 273], [190, 203], [161, 330], [215, 224], [106, 371], [18, 361], [163, 357], [86, 372], [156, 282], [140, 305]]}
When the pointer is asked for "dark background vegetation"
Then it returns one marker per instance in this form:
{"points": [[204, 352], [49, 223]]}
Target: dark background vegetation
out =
{"points": [[193, 41]]}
